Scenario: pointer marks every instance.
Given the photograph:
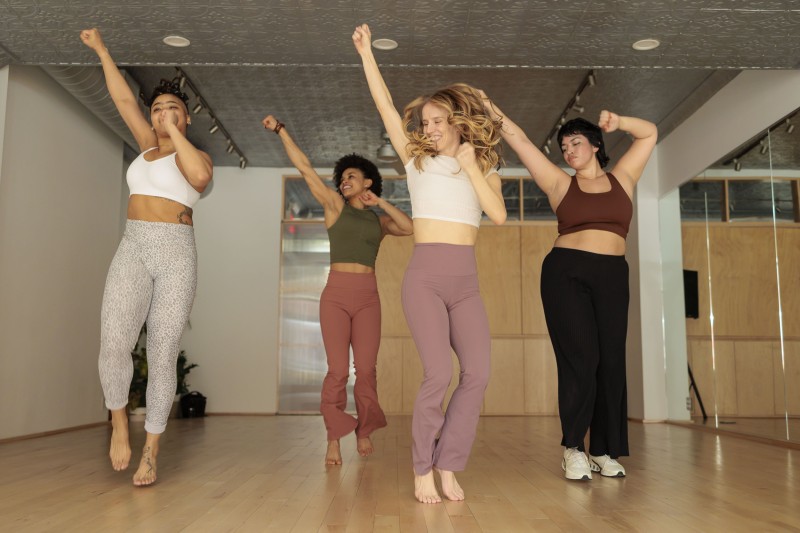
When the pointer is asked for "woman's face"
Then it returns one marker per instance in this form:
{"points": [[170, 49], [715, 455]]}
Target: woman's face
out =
{"points": [[168, 108], [578, 152], [353, 183], [436, 127]]}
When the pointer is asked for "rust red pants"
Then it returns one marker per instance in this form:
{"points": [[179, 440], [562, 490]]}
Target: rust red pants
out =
{"points": [[350, 315]]}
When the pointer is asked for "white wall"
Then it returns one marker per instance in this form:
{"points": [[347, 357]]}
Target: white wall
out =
{"points": [[234, 322], [60, 182]]}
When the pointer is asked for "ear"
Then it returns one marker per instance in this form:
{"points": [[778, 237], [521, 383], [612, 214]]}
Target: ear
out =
{"points": [[367, 183]]}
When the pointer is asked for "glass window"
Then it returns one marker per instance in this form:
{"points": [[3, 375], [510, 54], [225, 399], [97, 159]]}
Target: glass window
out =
{"points": [[535, 204], [752, 200], [695, 195]]}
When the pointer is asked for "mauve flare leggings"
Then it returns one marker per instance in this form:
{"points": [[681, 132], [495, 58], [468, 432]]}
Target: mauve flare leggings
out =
{"points": [[585, 297], [350, 314], [443, 308]]}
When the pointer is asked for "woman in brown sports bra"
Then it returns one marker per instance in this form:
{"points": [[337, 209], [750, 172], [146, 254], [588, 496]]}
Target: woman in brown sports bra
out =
{"points": [[584, 282]]}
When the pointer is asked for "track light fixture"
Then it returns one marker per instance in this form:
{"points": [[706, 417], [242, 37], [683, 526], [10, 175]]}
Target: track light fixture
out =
{"points": [[386, 151], [789, 125], [737, 165], [762, 143], [572, 106], [764, 147], [216, 125]]}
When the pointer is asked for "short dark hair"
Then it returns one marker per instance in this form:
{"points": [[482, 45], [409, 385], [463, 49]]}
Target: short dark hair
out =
{"points": [[172, 87], [592, 132], [364, 165]]}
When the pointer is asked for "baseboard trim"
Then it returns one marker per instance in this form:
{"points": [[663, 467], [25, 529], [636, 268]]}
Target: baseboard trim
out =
{"points": [[54, 432]]}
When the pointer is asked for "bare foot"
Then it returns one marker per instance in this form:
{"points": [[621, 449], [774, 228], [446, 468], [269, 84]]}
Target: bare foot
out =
{"points": [[333, 456], [425, 488], [450, 487], [120, 452], [146, 475], [364, 447]]}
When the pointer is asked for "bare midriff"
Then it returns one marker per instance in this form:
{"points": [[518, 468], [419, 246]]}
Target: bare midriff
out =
{"points": [[428, 230], [353, 268], [593, 240], [157, 209]]}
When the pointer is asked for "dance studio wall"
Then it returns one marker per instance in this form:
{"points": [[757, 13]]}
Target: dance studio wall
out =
{"points": [[60, 183]]}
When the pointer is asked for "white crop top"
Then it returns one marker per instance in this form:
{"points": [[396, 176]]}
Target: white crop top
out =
{"points": [[160, 178], [442, 191]]}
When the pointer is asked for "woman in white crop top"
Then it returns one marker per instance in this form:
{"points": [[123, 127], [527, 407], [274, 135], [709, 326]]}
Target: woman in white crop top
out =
{"points": [[448, 146], [153, 275]]}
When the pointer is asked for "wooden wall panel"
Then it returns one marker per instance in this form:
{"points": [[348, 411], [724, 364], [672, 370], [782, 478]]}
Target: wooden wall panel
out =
{"points": [[541, 378], [716, 388], [789, 257], [505, 394], [754, 378], [535, 243], [792, 357], [695, 257], [393, 257], [498, 256]]}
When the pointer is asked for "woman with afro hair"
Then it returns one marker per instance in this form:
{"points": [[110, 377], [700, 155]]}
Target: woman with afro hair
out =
{"points": [[349, 308]]}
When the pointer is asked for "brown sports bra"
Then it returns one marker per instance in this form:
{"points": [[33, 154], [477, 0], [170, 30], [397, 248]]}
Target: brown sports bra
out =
{"points": [[607, 211]]}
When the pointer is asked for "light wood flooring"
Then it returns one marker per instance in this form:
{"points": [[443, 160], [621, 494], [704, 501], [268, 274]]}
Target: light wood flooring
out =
{"points": [[251, 473]]}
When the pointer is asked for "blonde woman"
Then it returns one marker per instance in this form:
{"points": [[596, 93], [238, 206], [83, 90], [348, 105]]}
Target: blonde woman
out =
{"points": [[448, 146]]}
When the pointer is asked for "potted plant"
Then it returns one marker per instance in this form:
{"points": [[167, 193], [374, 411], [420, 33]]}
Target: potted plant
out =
{"points": [[137, 397]]}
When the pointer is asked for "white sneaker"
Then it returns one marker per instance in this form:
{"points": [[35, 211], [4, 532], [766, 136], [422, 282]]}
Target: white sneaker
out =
{"points": [[576, 465], [607, 466]]}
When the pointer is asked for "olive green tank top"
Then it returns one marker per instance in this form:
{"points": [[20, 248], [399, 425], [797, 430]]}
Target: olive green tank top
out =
{"points": [[355, 236]]}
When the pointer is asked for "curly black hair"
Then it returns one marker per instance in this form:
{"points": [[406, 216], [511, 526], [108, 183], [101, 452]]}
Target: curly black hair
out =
{"points": [[364, 165], [592, 132], [172, 87]]}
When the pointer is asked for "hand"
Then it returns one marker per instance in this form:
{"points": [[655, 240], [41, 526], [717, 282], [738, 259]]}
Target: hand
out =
{"points": [[369, 198], [168, 116], [270, 123], [92, 39], [465, 155], [608, 121], [362, 39]]}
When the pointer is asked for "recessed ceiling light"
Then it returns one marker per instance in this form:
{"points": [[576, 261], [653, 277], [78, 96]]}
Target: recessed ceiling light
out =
{"points": [[646, 44], [177, 41], [384, 44]]}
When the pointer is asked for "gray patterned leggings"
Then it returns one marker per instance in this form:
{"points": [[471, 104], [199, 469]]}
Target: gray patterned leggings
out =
{"points": [[152, 277]]}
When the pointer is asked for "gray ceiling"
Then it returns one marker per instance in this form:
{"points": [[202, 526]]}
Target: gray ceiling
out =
{"points": [[295, 59]]}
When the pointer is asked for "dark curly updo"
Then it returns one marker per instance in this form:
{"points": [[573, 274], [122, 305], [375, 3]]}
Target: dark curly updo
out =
{"points": [[172, 87], [364, 165], [592, 132]]}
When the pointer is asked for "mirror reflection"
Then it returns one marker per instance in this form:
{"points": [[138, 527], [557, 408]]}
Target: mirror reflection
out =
{"points": [[741, 250]]}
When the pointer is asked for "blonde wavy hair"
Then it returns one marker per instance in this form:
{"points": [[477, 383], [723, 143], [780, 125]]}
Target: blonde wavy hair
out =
{"points": [[465, 111]]}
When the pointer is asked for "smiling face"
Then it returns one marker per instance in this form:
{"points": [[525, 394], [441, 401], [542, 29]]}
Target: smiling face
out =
{"points": [[173, 109], [353, 183], [578, 152], [437, 128]]}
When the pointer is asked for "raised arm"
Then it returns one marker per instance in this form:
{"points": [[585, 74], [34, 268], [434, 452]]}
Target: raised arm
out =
{"points": [[120, 92], [544, 172], [327, 197], [194, 164], [645, 134], [362, 39], [394, 222], [488, 188]]}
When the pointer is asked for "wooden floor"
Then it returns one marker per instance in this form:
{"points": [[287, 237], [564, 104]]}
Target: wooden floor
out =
{"points": [[238, 473]]}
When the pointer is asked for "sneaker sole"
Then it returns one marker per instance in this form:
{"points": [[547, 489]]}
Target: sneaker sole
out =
{"points": [[596, 468]]}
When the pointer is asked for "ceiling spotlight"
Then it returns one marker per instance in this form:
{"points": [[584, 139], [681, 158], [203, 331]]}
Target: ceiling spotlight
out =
{"points": [[764, 147], [384, 44], [549, 141], [214, 127], [230, 149], [646, 44], [176, 41], [563, 120], [242, 163], [577, 97], [578, 108], [546, 149], [592, 81], [182, 82], [198, 107], [386, 152], [737, 165], [789, 126]]}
